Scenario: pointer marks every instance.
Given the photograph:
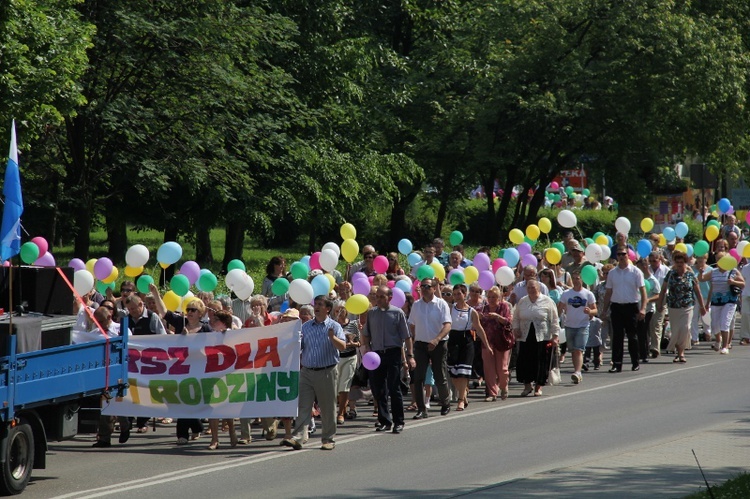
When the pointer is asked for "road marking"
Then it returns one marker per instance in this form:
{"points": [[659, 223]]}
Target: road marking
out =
{"points": [[276, 454]]}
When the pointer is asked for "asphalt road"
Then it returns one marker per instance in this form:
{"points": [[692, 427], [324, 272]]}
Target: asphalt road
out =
{"points": [[476, 452]]}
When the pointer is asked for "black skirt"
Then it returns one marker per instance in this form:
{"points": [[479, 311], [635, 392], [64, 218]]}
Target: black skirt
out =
{"points": [[460, 354], [533, 361]]}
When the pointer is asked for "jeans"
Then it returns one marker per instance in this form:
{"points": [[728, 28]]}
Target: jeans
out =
{"points": [[439, 358], [385, 382]]}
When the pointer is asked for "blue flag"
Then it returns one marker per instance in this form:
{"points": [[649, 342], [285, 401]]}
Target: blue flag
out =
{"points": [[10, 233]]}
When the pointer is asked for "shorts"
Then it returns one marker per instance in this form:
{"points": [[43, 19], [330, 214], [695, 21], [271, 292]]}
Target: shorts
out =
{"points": [[346, 368], [577, 337]]}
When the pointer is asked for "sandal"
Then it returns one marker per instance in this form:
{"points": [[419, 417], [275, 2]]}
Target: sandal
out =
{"points": [[340, 420], [683, 360], [526, 392], [412, 407], [213, 446], [676, 359], [142, 429], [352, 414], [538, 393], [460, 406]]}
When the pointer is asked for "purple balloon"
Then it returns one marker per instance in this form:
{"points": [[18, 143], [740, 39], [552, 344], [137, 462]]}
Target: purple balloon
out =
{"points": [[371, 360], [103, 268], [529, 260], [482, 261], [361, 286], [77, 264], [191, 270], [399, 298], [523, 249], [486, 280], [46, 260]]}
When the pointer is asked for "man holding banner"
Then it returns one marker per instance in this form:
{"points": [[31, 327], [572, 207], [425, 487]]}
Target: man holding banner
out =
{"points": [[322, 339]]}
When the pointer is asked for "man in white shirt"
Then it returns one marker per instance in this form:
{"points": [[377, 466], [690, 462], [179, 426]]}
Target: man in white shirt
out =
{"points": [[430, 323]]}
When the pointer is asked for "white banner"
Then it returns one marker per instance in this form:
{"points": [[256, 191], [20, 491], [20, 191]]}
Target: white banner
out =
{"points": [[241, 373]]}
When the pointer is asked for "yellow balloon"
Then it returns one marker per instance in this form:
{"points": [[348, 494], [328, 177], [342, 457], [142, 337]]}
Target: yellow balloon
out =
{"points": [[715, 214], [357, 304], [439, 270], [532, 232], [602, 240], [133, 271], [727, 262], [471, 274], [349, 250], [332, 282], [553, 256], [112, 277], [348, 232], [171, 301], [90, 265], [662, 240], [712, 232], [682, 247], [647, 224], [516, 236], [545, 225], [186, 300], [746, 252], [164, 265]]}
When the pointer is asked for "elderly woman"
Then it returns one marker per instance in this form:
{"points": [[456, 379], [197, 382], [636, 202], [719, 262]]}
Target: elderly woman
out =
{"points": [[275, 269], [221, 322], [496, 319], [347, 358], [536, 326]]}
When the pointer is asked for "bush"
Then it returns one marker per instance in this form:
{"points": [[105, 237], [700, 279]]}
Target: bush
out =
{"points": [[589, 223]]}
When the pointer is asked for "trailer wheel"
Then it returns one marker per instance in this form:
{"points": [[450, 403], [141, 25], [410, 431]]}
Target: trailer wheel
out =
{"points": [[19, 459]]}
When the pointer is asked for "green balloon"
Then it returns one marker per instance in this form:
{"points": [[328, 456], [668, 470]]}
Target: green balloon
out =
{"points": [[708, 224], [700, 248], [456, 238], [647, 285], [102, 287], [207, 282], [29, 252], [589, 241], [569, 190], [236, 264], [143, 283], [596, 236], [560, 247], [425, 272], [299, 270], [586, 193], [180, 284], [589, 274], [500, 253], [457, 278], [531, 242], [280, 286]]}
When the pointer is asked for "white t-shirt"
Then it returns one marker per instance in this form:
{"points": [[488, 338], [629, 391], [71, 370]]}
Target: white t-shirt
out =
{"points": [[428, 318], [575, 302]]}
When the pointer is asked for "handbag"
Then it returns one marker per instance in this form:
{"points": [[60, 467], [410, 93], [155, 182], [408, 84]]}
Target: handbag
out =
{"points": [[554, 377]]}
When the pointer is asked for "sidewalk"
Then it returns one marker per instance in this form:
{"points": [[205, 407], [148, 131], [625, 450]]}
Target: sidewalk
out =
{"points": [[667, 469]]}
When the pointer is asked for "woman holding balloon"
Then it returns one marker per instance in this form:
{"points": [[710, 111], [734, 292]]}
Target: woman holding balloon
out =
{"points": [[726, 286], [275, 269]]}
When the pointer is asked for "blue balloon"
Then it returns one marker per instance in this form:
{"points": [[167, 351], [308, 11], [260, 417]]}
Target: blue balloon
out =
{"points": [[405, 246], [609, 238], [511, 256], [689, 250], [169, 253], [403, 285], [681, 229], [413, 259], [320, 285], [644, 248], [668, 233], [205, 271], [284, 306], [724, 204]]}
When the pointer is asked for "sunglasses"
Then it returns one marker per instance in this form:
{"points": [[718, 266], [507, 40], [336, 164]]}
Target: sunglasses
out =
{"points": [[622, 254], [447, 293], [426, 286], [369, 257], [191, 309], [109, 307]]}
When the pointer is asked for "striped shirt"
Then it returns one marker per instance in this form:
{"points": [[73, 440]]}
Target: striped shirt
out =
{"points": [[317, 348]]}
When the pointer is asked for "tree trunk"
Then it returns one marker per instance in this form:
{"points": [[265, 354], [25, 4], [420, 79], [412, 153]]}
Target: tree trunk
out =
{"points": [[502, 233], [442, 210], [170, 234], [313, 233], [489, 237], [83, 236], [117, 231], [233, 243], [203, 253], [398, 216]]}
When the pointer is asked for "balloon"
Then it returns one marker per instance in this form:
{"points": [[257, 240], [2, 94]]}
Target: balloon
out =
{"points": [[662, 241], [515, 236], [171, 301], [348, 231], [602, 239], [471, 274], [371, 361], [301, 291], [102, 287], [593, 253], [46, 260], [333, 247], [553, 256], [647, 224], [83, 281], [524, 249], [700, 248], [77, 264], [554, 185], [747, 217], [644, 248], [235, 264], [723, 205], [186, 301], [102, 268], [405, 246], [192, 271], [735, 254], [29, 252], [380, 264], [559, 246], [169, 253], [712, 233], [133, 271], [589, 274], [425, 272], [413, 259], [714, 223], [143, 283], [280, 286], [505, 276], [744, 251], [669, 233], [681, 247], [112, 277], [647, 285], [236, 279], [137, 255], [439, 270], [486, 280], [456, 238], [622, 225], [42, 245], [532, 232], [299, 271], [404, 285], [512, 257], [399, 297], [727, 262], [606, 251], [497, 263], [529, 259], [320, 285], [456, 276], [361, 286], [681, 229], [357, 304], [567, 219], [315, 261], [180, 285], [329, 259], [482, 261], [545, 225], [690, 250], [207, 282], [349, 250], [585, 193], [569, 190]]}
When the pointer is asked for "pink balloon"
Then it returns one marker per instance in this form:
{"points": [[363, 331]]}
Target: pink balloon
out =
{"points": [[631, 255], [747, 217], [77, 264], [191, 270], [529, 259], [6, 263], [735, 254], [523, 249], [486, 279], [371, 360], [102, 268], [370, 279], [315, 261], [554, 186], [380, 264], [42, 243], [361, 286], [399, 298], [482, 261], [499, 262], [46, 260], [391, 284]]}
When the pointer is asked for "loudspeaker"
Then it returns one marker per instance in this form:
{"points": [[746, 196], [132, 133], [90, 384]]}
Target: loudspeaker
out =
{"points": [[42, 288]]}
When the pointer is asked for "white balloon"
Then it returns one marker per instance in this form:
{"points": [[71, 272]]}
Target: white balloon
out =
{"points": [[83, 281], [332, 246], [593, 253], [567, 219], [137, 255], [328, 259], [622, 224], [301, 291], [505, 276], [244, 292], [606, 251], [236, 278]]}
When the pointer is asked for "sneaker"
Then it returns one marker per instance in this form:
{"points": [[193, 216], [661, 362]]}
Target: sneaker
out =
{"points": [[182, 441], [716, 346], [328, 446], [101, 444], [427, 405], [292, 442], [724, 351], [576, 378]]}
